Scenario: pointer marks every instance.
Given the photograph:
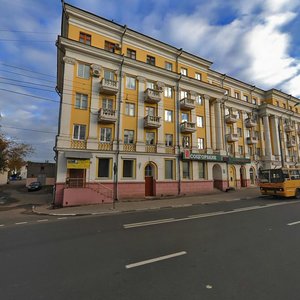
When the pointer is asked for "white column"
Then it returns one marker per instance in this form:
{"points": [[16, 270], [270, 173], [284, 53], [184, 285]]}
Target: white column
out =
{"points": [[218, 125], [92, 142], [275, 135], [213, 126], [140, 143], [207, 124], [284, 138], [262, 139], [246, 148], [268, 146], [194, 134], [65, 132], [235, 144], [160, 113], [297, 127]]}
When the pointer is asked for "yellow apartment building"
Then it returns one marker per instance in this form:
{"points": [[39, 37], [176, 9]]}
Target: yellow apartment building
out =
{"points": [[140, 118]]}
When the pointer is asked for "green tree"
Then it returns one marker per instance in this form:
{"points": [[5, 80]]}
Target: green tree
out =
{"points": [[12, 153]]}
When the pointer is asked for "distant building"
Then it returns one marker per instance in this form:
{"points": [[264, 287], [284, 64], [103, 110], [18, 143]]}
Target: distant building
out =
{"points": [[42, 172]]}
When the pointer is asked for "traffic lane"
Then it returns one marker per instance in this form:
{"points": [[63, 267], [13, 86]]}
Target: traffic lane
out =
{"points": [[71, 252]]}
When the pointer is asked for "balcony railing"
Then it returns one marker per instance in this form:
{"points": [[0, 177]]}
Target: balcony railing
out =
{"points": [[129, 147], [152, 122], [231, 118], [252, 140], [152, 95], [187, 103], [249, 122], [291, 143], [108, 86], [170, 150], [78, 144], [151, 148], [232, 137], [107, 115], [187, 127], [105, 146], [289, 127]]}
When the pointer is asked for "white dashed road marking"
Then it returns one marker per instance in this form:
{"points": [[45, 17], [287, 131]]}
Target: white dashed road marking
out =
{"points": [[293, 223], [21, 223], [43, 220], [150, 261]]}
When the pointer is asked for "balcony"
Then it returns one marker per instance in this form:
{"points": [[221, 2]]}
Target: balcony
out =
{"points": [[187, 103], [105, 146], [152, 95], [291, 143], [187, 127], [150, 148], [78, 144], [289, 127], [107, 115], [252, 140], [109, 87], [249, 122], [232, 137], [231, 118], [152, 122]]}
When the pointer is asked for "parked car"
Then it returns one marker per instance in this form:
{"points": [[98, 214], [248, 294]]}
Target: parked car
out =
{"points": [[34, 186]]}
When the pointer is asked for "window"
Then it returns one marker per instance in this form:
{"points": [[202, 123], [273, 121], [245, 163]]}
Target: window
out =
{"points": [[183, 94], [150, 138], [150, 60], [277, 103], [131, 53], [130, 109], [237, 95], [130, 83], [105, 135], [254, 100], [168, 115], [186, 141], [110, 75], [150, 85], [200, 143], [107, 104], [184, 117], [258, 151], [168, 66], [199, 99], [169, 169], [128, 165], [199, 121], [246, 98], [104, 167], [81, 101], [186, 169], [226, 92], [128, 136], [183, 71], [83, 71], [108, 46], [239, 132], [230, 149], [201, 170], [198, 76], [241, 150], [85, 38], [169, 140], [168, 92], [79, 132], [150, 111], [284, 105]]}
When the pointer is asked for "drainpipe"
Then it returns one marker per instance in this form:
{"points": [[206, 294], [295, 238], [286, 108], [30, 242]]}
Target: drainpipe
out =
{"points": [[116, 164], [177, 123], [122, 38]]}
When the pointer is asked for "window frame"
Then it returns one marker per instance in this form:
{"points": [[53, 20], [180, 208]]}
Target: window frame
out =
{"points": [[200, 143], [130, 109], [168, 66], [131, 53], [132, 171], [168, 92], [183, 71], [101, 169], [150, 60], [169, 140], [79, 100], [80, 127], [106, 130], [200, 124], [168, 115], [169, 172], [83, 70], [198, 76], [85, 38], [128, 134], [130, 83]]}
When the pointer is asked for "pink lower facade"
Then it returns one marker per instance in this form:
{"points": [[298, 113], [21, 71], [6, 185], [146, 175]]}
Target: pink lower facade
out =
{"points": [[128, 191]]}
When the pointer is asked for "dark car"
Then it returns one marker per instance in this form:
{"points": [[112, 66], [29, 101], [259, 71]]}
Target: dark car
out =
{"points": [[34, 186]]}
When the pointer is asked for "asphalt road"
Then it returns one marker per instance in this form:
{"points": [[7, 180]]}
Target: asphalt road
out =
{"points": [[235, 250]]}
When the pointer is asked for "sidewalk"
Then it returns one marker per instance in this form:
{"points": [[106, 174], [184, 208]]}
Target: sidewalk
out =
{"points": [[131, 206]]}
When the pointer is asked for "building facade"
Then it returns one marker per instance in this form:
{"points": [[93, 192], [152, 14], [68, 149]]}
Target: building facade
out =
{"points": [[140, 118]]}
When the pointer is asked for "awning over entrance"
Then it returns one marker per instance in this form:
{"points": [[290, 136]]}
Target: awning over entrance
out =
{"points": [[78, 155]]}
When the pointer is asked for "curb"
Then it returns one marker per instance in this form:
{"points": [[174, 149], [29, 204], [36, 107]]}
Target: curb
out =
{"points": [[33, 209]]}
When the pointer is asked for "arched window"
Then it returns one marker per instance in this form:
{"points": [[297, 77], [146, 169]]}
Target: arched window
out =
{"points": [[148, 171]]}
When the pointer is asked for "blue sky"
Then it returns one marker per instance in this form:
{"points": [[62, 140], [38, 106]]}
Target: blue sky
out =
{"points": [[255, 41]]}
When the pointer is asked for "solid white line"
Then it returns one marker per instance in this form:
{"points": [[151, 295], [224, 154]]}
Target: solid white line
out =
{"points": [[20, 223], [148, 223], [205, 215], [293, 223], [149, 261], [43, 220], [1, 225]]}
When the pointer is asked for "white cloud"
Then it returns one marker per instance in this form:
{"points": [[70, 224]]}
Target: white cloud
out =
{"points": [[293, 86]]}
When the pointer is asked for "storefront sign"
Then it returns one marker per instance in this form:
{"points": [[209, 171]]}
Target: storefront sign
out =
{"points": [[198, 156], [78, 163], [237, 160]]}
